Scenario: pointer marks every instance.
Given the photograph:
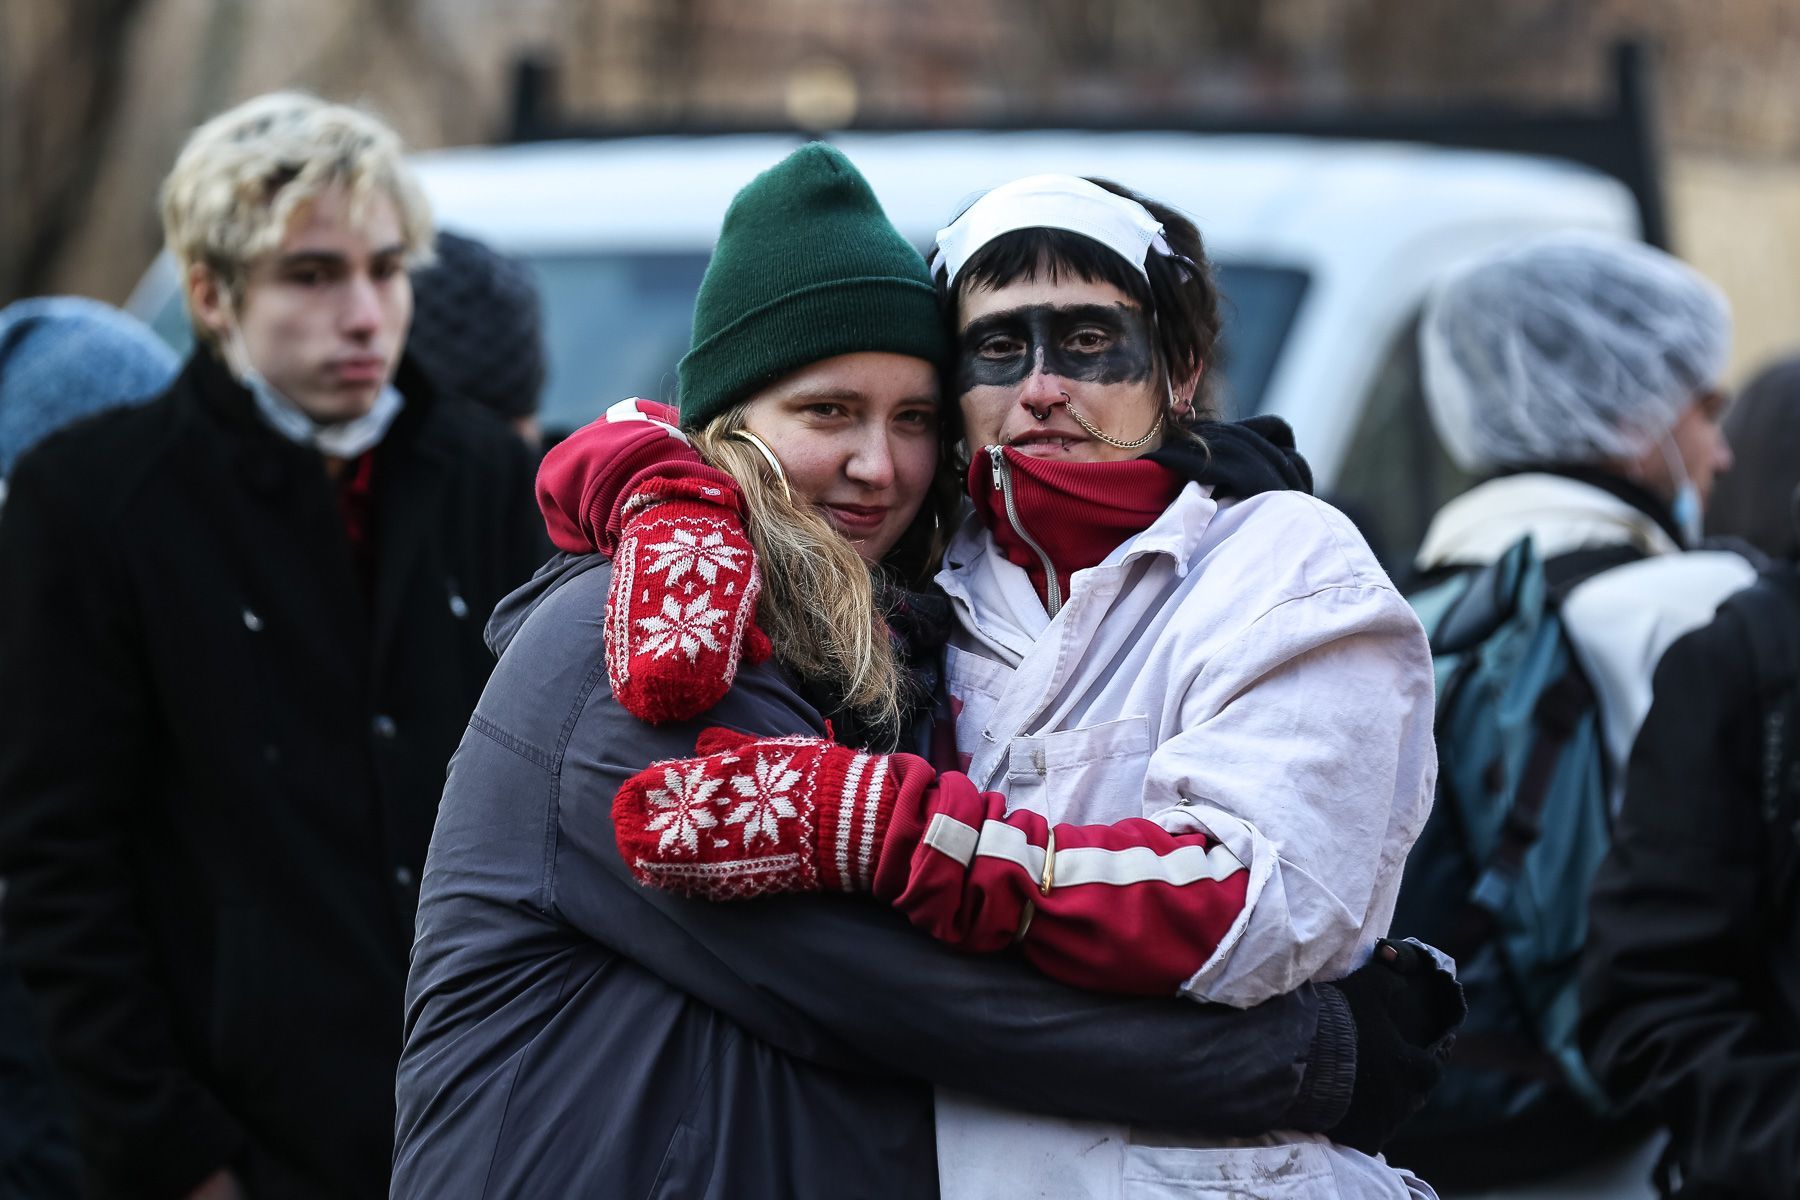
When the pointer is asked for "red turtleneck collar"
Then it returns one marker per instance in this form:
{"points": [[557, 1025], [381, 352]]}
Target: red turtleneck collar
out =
{"points": [[1077, 512]]}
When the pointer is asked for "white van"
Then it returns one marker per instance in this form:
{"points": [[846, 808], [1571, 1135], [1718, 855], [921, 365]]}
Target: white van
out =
{"points": [[1325, 250]]}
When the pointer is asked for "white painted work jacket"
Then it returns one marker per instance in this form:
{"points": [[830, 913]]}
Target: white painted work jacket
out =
{"points": [[1243, 667]]}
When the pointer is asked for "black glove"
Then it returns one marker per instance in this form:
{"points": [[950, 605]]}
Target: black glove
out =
{"points": [[1407, 1011]]}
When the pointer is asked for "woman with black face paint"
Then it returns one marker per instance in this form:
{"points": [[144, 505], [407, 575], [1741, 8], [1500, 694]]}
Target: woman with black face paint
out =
{"points": [[1192, 715]]}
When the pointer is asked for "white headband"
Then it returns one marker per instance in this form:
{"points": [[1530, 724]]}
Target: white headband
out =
{"points": [[1051, 202]]}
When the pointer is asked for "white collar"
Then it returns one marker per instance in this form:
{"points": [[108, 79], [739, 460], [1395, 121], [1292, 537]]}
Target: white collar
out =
{"points": [[1559, 513]]}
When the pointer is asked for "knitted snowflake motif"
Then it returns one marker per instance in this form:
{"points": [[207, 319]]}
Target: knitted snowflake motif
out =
{"points": [[685, 802], [765, 799], [685, 627], [704, 556]]}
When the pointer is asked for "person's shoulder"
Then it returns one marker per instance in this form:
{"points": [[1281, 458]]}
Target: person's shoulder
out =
{"points": [[1720, 648], [464, 418], [1669, 591], [1754, 634], [555, 620], [1301, 541], [100, 462]]}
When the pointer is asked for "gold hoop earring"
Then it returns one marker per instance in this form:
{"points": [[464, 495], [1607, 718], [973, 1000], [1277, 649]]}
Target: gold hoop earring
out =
{"points": [[744, 435]]}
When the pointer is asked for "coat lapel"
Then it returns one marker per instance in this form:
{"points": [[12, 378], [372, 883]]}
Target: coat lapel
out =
{"points": [[289, 506]]}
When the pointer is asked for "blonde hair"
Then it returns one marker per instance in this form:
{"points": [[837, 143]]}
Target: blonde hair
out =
{"points": [[241, 178], [818, 601]]}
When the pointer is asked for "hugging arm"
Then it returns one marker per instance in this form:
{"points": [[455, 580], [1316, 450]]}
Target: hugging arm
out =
{"points": [[1127, 907], [680, 614], [1262, 869], [851, 984]]}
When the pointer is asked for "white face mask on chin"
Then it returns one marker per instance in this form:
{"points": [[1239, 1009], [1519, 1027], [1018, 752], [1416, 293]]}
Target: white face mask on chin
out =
{"points": [[340, 439], [1685, 507]]}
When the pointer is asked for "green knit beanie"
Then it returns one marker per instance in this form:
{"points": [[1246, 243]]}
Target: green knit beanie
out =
{"points": [[807, 267]]}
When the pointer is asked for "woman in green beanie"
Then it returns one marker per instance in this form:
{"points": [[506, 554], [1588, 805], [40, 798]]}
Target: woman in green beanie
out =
{"points": [[570, 1032]]}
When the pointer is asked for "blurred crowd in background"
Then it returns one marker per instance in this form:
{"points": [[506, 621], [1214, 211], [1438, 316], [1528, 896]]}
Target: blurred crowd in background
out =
{"points": [[98, 95]]}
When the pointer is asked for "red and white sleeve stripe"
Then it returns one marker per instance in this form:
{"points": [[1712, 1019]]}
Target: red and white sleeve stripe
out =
{"points": [[1127, 907]]}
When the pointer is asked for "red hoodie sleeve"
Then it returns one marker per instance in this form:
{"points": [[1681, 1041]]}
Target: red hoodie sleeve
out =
{"points": [[587, 478], [1127, 907]]}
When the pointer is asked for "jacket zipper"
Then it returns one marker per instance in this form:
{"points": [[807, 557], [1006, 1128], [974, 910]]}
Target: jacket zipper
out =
{"points": [[1003, 485]]}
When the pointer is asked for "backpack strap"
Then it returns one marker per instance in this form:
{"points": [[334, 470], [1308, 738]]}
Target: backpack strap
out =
{"points": [[1563, 573], [1560, 710]]}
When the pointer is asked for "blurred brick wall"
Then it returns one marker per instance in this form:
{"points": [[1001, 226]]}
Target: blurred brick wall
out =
{"points": [[1729, 82]]}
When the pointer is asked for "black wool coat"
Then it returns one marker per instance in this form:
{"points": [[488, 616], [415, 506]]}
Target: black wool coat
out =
{"points": [[221, 763]]}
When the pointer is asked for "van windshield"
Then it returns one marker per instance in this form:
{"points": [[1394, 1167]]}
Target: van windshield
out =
{"points": [[616, 323]]}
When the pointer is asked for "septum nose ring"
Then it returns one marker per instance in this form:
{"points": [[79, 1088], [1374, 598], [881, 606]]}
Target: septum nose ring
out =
{"points": [[1043, 414]]}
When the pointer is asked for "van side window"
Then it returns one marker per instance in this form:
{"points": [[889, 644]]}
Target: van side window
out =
{"points": [[1396, 474]]}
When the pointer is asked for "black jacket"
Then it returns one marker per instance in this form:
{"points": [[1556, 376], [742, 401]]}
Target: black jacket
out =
{"points": [[221, 764], [1691, 979], [569, 1033]]}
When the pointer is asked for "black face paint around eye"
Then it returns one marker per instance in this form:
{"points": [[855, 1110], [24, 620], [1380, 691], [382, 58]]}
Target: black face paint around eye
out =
{"points": [[1047, 334]]}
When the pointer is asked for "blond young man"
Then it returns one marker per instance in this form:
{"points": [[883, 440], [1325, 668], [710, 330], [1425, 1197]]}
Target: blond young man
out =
{"points": [[240, 630]]}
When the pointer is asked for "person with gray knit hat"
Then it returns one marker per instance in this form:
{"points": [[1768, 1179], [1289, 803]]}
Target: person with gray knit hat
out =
{"points": [[477, 329], [62, 359]]}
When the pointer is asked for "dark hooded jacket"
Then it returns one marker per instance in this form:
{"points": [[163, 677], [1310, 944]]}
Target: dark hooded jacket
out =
{"points": [[569, 1033], [1691, 973]]}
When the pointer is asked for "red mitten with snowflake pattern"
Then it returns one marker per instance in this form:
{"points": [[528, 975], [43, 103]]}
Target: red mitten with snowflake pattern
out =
{"points": [[683, 596], [681, 608], [755, 817]]}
